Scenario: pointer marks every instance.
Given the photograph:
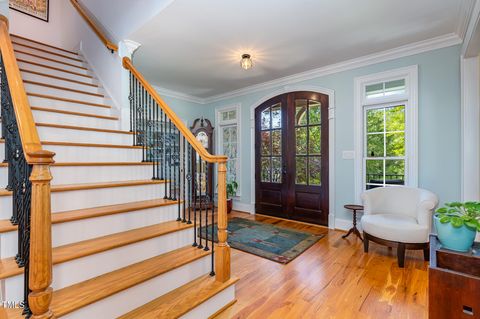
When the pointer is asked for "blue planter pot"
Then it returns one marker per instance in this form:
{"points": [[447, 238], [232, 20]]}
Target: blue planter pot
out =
{"points": [[458, 239]]}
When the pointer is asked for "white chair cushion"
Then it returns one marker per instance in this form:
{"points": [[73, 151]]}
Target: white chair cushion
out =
{"points": [[394, 227]]}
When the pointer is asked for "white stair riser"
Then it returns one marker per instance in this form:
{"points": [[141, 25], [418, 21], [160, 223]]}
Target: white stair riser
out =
{"points": [[40, 101], [77, 120], [91, 174], [62, 66], [64, 201], [49, 55], [132, 298], [93, 154], [78, 270], [81, 136], [27, 76], [44, 47], [68, 106], [67, 233], [36, 68], [212, 305]]}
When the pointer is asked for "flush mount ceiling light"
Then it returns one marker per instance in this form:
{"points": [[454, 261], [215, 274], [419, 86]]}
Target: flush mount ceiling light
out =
{"points": [[246, 61]]}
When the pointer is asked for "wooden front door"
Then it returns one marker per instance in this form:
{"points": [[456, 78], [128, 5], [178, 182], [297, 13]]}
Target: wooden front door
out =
{"points": [[291, 157]]}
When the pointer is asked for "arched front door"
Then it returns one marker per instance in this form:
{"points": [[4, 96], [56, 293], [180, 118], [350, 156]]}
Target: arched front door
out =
{"points": [[291, 157]]}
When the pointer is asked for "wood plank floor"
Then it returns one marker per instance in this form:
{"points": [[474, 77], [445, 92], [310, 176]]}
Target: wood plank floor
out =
{"points": [[332, 279]]}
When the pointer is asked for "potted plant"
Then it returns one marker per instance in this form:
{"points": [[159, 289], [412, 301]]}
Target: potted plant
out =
{"points": [[457, 225], [231, 192]]}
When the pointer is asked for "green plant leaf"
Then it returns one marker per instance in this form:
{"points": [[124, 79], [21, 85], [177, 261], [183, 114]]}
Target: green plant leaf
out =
{"points": [[442, 210], [455, 204], [445, 219], [456, 222], [472, 224]]}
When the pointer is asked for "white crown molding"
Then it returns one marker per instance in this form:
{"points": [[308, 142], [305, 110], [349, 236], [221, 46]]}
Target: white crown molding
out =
{"points": [[465, 14], [443, 41], [179, 95], [439, 42], [471, 31]]}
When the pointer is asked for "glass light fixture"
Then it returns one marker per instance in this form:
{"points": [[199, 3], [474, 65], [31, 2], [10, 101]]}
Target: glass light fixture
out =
{"points": [[246, 61]]}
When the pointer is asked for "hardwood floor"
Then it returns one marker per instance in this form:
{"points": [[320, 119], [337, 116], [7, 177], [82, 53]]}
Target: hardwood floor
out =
{"points": [[332, 279]]}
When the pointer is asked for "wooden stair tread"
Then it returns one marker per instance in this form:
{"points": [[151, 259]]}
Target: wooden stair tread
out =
{"points": [[41, 43], [46, 109], [178, 302], [84, 128], [61, 254], [58, 98], [58, 77], [63, 88], [46, 51], [79, 214], [85, 186], [53, 68], [85, 293], [49, 59]]}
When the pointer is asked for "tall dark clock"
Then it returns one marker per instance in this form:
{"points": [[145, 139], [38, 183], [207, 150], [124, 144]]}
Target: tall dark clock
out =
{"points": [[203, 131]]}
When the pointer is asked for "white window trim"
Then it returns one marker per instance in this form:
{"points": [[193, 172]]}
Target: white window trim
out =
{"points": [[410, 99], [218, 138]]}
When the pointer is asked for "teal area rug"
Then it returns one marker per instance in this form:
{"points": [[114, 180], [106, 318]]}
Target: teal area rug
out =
{"points": [[266, 240]]}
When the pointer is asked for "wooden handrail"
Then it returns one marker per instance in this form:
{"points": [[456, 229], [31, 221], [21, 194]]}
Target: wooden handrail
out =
{"points": [[110, 45], [204, 154], [40, 274]]}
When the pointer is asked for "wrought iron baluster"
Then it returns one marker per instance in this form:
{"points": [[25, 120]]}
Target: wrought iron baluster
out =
{"points": [[200, 200], [194, 195], [184, 179], [190, 180], [207, 205], [164, 153]]}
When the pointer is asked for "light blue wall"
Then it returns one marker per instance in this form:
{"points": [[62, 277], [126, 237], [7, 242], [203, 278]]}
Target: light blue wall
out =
{"points": [[439, 124], [189, 111]]}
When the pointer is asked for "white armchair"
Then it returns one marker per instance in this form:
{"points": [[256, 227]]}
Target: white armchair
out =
{"points": [[398, 217]]}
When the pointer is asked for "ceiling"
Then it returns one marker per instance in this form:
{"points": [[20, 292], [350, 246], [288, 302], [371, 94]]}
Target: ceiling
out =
{"points": [[194, 47]]}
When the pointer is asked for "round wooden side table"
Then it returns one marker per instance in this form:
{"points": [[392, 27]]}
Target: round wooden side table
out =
{"points": [[354, 229]]}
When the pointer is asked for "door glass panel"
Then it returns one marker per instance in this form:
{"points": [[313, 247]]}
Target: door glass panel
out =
{"points": [[375, 120], [315, 140], [301, 170], [301, 140], [395, 118], [266, 169], [300, 112], [395, 144], [314, 170], [314, 113], [375, 145], [276, 169], [265, 119], [277, 142], [265, 143], [395, 172], [277, 116], [375, 172]]}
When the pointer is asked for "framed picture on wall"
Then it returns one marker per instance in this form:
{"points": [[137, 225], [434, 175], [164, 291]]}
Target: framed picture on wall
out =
{"points": [[35, 8]]}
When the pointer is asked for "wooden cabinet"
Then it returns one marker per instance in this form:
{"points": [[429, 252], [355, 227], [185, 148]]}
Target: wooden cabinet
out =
{"points": [[454, 282]]}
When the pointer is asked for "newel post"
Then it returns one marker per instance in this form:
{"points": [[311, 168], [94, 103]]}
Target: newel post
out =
{"points": [[222, 255], [40, 275]]}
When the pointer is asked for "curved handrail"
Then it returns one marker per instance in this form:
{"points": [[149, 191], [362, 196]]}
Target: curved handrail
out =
{"points": [[26, 124], [204, 154], [110, 45]]}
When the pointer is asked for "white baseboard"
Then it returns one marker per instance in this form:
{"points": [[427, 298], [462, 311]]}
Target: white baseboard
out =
{"points": [[345, 224], [243, 207]]}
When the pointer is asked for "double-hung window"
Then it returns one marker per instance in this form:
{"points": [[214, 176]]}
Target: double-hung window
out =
{"points": [[228, 123], [386, 129]]}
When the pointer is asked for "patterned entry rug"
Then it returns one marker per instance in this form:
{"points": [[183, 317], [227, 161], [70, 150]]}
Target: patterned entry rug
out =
{"points": [[265, 240]]}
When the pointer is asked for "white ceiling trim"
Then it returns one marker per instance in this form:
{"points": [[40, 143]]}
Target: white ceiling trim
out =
{"points": [[468, 48], [443, 41]]}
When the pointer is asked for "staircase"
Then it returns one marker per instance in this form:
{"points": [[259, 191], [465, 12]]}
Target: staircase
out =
{"points": [[119, 250]]}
